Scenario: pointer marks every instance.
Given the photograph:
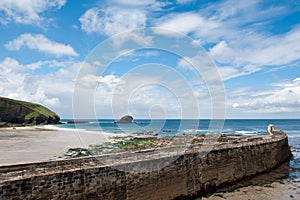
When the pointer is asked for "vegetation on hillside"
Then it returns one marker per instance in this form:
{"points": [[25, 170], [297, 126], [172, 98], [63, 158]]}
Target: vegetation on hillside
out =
{"points": [[16, 111]]}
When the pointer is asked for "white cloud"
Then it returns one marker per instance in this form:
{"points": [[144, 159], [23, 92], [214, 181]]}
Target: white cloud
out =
{"points": [[17, 83], [117, 16], [41, 43], [9, 65], [284, 46], [91, 21], [221, 52], [112, 20], [135, 91], [200, 63], [137, 36], [26, 11], [143, 101], [146, 6], [296, 79], [255, 52], [134, 56], [186, 23], [115, 96], [184, 1], [229, 72], [236, 35], [254, 14], [137, 94], [237, 51], [282, 97], [149, 4], [53, 89]]}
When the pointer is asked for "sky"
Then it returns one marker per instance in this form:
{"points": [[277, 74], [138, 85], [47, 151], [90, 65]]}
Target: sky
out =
{"points": [[152, 58]]}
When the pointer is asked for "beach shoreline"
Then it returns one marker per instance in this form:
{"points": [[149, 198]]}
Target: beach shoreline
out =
{"points": [[33, 144]]}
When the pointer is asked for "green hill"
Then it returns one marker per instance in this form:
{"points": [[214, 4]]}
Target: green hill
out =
{"points": [[22, 112]]}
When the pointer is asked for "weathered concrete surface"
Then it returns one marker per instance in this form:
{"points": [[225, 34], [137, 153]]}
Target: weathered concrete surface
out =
{"points": [[143, 175]]}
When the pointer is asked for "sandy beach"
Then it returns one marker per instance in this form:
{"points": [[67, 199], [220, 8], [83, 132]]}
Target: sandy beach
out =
{"points": [[30, 144]]}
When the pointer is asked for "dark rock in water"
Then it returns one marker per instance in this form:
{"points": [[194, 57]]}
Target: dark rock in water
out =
{"points": [[127, 119], [168, 131], [21, 112], [77, 122], [147, 133]]}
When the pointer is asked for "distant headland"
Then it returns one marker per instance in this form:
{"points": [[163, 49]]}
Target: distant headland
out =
{"points": [[16, 113]]}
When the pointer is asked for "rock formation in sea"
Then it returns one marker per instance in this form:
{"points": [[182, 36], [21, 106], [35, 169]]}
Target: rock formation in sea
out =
{"points": [[22, 112], [127, 119]]}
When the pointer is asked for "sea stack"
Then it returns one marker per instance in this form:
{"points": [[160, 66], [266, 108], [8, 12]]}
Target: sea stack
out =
{"points": [[127, 119]]}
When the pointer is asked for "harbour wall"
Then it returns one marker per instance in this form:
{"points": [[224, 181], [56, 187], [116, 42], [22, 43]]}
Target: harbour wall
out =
{"points": [[144, 177]]}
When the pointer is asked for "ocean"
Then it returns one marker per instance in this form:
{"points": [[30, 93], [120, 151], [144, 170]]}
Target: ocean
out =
{"points": [[171, 127]]}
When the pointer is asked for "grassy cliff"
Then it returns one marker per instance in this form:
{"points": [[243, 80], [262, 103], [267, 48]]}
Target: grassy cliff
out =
{"points": [[22, 112]]}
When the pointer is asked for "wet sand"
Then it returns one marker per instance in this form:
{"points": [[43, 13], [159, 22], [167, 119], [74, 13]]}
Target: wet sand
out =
{"points": [[30, 144], [274, 191], [282, 183]]}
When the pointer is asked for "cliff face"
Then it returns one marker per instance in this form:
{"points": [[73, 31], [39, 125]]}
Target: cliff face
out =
{"points": [[19, 112]]}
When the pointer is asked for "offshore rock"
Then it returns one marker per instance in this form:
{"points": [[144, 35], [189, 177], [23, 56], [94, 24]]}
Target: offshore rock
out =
{"points": [[127, 119]]}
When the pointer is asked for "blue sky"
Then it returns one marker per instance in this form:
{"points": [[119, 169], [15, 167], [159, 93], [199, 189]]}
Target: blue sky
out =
{"points": [[254, 45]]}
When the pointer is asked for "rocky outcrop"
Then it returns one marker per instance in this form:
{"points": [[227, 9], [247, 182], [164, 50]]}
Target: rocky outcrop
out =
{"points": [[127, 119], [21, 112]]}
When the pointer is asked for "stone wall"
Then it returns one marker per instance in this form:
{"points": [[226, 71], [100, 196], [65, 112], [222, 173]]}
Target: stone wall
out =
{"points": [[190, 174]]}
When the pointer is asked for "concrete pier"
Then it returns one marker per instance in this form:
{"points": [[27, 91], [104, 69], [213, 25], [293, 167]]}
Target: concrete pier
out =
{"points": [[144, 174]]}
